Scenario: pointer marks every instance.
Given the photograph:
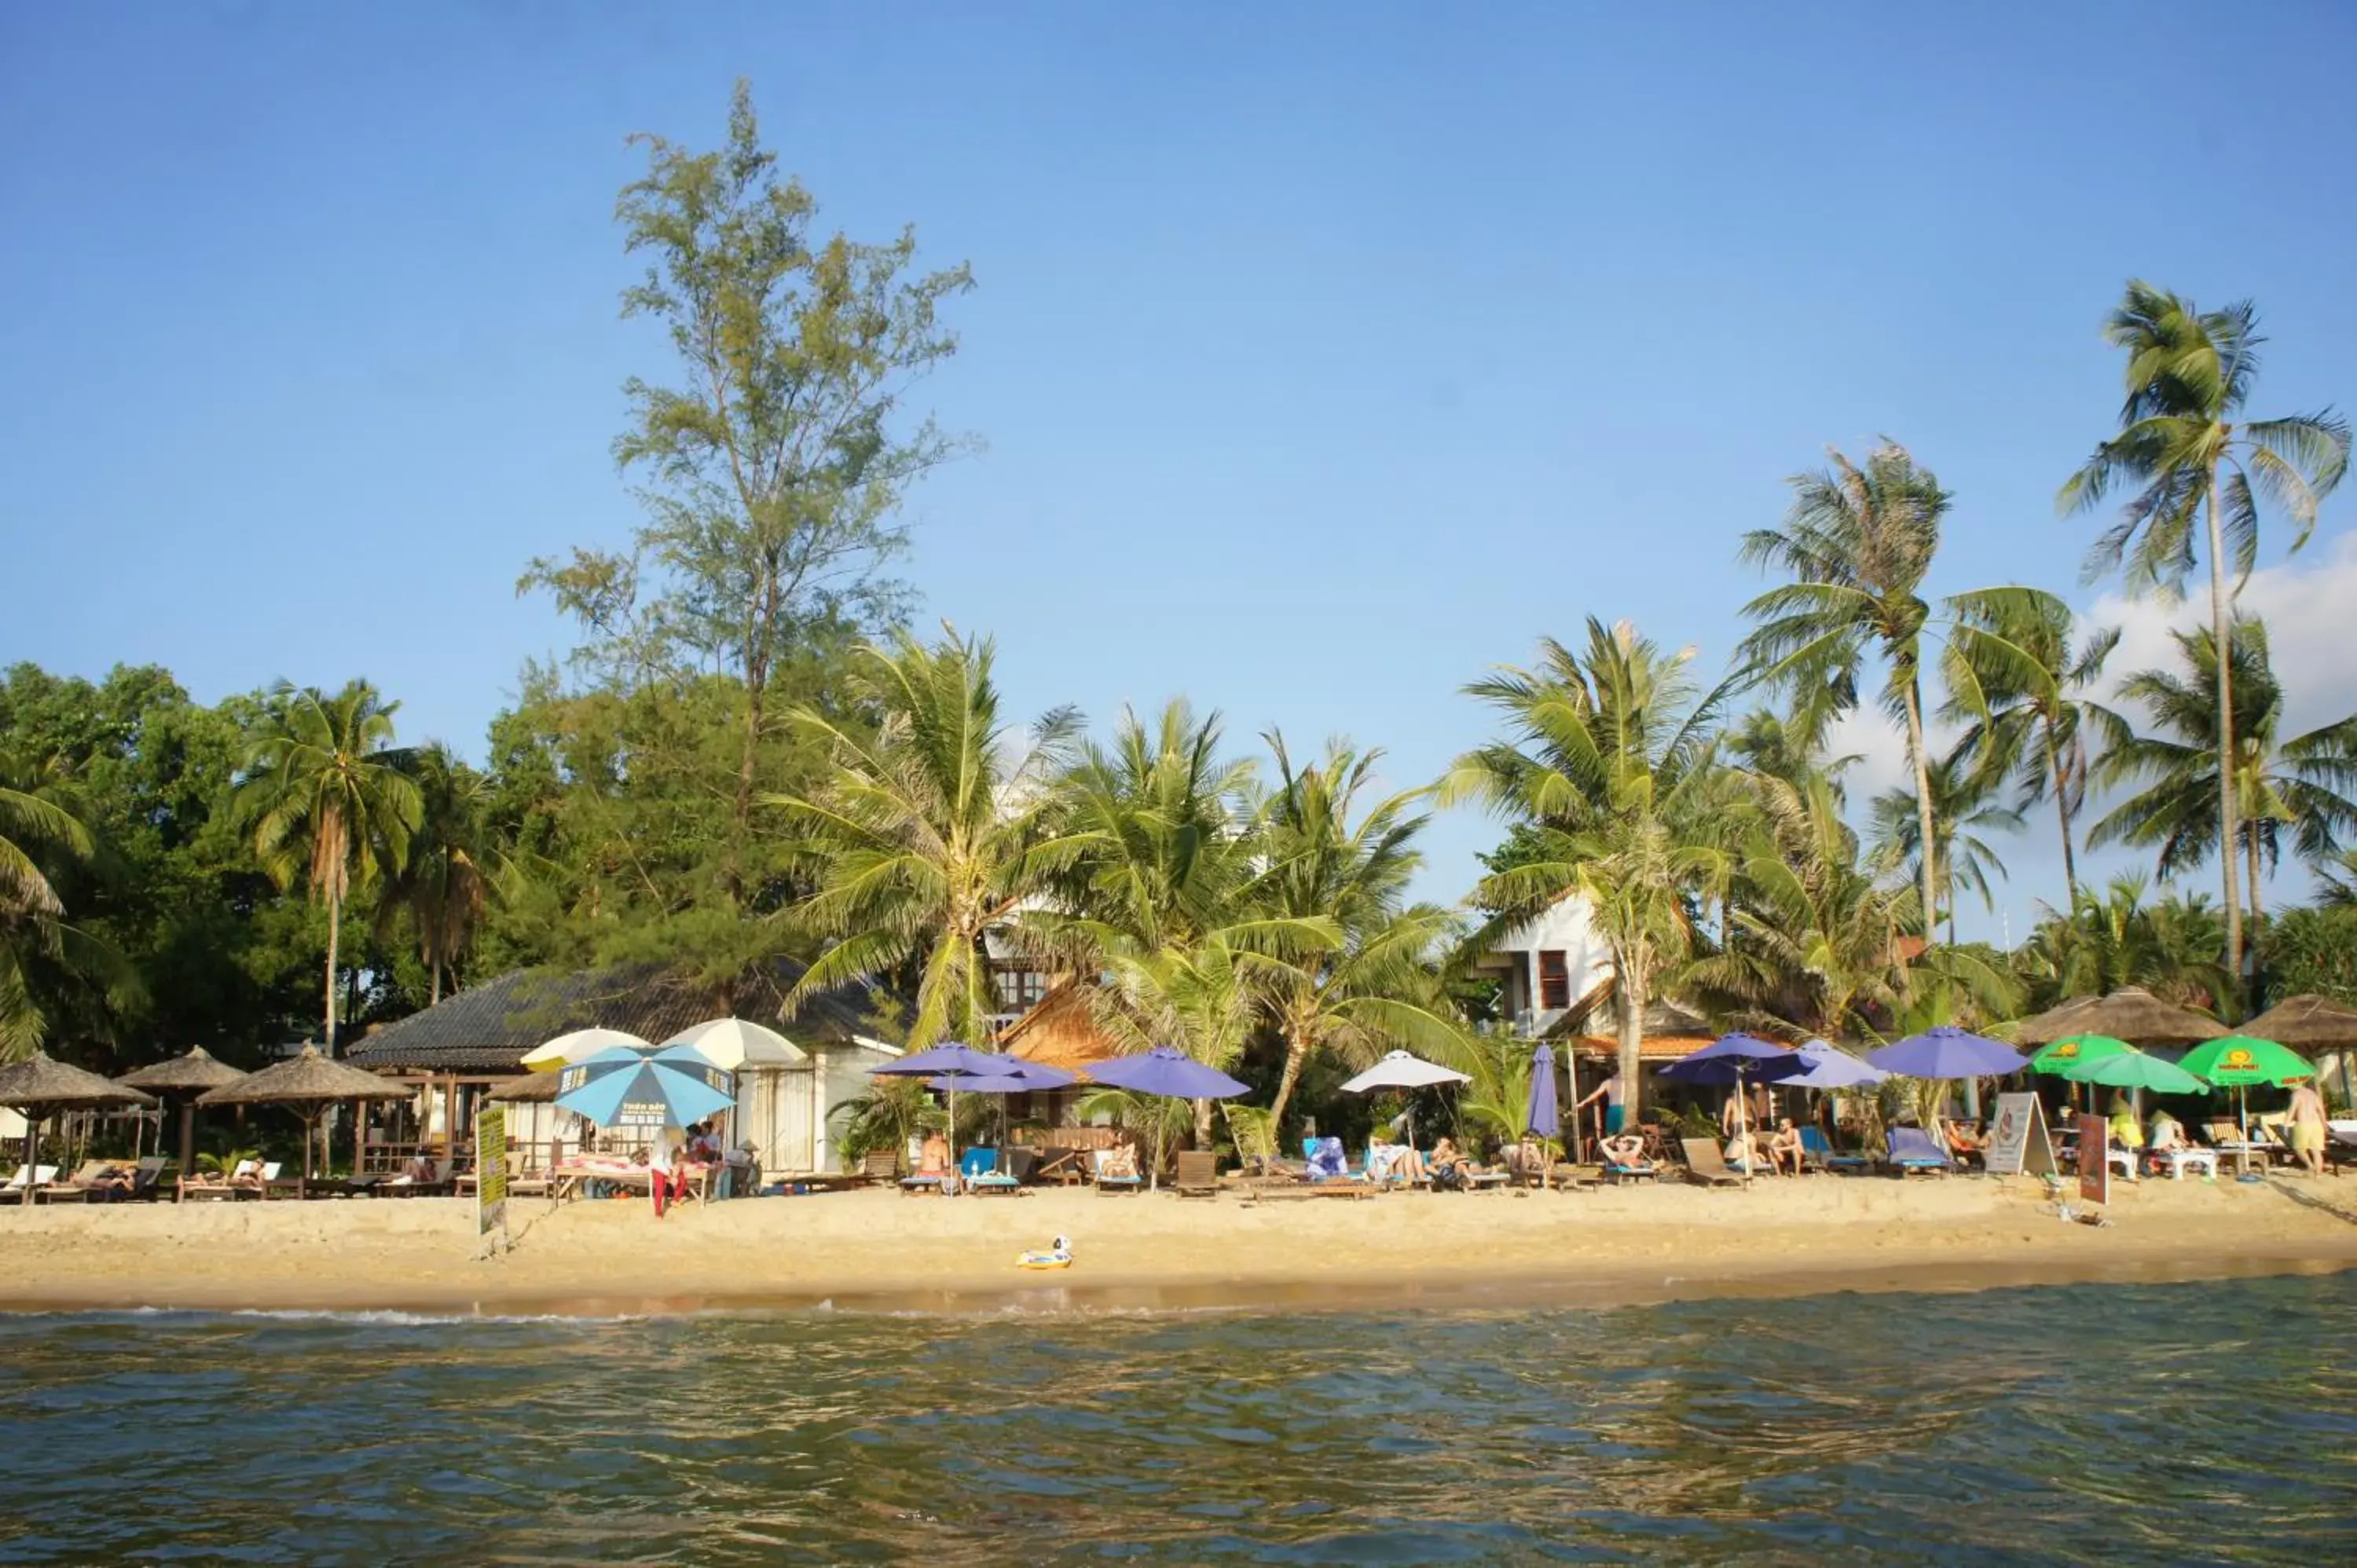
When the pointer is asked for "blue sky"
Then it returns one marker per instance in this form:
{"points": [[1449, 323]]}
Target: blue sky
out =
{"points": [[1325, 354]]}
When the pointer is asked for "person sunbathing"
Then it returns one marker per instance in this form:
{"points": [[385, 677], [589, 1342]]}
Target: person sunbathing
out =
{"points": [[1743, 1153], [1120, 1163], [1785, 1147], [934, 1157], [1962, 1142], [1625, 1152]]}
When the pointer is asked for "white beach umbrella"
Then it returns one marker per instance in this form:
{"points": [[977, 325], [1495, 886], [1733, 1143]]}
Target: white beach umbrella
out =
{"points": [[731, 1044], [1401, 1070], [580, 1042]]}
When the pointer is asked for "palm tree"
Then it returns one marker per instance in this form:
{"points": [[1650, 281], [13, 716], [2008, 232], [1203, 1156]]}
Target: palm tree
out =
{"points": [[326, 801], [454, 867], [2301, 784], [1196, 996], [2181, 450], [929, 832], [1327, 860], [2036, 732], [1612, 767], [43, 834], [1858, 543], [2107, 940], [1961, 810]]}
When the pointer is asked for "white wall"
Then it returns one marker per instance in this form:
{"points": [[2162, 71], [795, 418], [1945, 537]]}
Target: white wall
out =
{"points": [[1566, 929]]}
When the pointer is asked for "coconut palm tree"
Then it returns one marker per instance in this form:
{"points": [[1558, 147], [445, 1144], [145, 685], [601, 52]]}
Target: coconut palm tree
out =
{"points": [[2036, 733], [927, 833], [44, 833], [2303, 784], [1328, 858], [2170, 946], [327, 803], [1611, 767], [1963, 808], [455, 866], [1859, 543], [2185, 452]]}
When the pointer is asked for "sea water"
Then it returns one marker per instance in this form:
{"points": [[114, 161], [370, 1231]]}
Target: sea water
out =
{"points": [[2212, 1421]]}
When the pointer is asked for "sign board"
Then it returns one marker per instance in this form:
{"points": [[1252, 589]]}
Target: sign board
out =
{"points": [[2018, 1142], [491, 1171], [2094, 1158]]}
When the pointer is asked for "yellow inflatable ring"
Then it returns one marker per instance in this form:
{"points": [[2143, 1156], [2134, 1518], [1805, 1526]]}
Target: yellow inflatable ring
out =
{"points": [[1043, 1261]]}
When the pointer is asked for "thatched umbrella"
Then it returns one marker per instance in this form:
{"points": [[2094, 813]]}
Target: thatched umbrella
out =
{"points": [[2131, 1014], [2310, 1024], [310, 1085], [182, 1079], [40, 1086], [531, 1088]]}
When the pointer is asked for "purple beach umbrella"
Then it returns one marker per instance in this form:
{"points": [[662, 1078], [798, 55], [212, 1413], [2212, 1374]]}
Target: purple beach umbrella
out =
{"points": [[1166, 1069], [1542, 1117], [1737, 1058], [949, 1067], [1947, 1052]]}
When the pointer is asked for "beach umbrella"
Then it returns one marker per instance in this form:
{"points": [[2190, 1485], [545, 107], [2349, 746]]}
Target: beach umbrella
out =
{"points": [[730, 1043], [1946, 1051], [308, 1085], [2312, 1023], [2129, 1068], [1830, 1068], [579, 1046], [182, 1079], [2065, 1057], [1016, 1077], [1738, 1058], [948, 1063], [647, 1088], [1400, 1071], [40, 1086], [1541, 1116], [1169, 1071], [2131, 1013], [2239, 1061]]}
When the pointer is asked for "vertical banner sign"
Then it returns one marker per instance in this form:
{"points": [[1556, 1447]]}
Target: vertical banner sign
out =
{"points": [[491, 1171], [2019, 1143], [2094, 1158]]}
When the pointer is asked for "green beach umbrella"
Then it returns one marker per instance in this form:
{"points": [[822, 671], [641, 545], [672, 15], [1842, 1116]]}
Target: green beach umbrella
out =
{"points": [[2129, 1068], [2067, 1055], [2239, 1061]]}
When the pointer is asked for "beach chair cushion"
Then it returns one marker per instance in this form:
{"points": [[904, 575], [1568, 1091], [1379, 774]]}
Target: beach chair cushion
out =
{"points": [[1912, 1149], [1327, 1160]]}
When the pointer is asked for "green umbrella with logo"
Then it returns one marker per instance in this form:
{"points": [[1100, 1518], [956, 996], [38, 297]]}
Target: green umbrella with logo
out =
{"points": [[2129, 1068], [2239, 1061], [2066, 1056]]}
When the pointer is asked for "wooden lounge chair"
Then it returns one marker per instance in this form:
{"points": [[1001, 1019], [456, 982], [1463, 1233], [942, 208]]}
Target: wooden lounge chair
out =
{"points": [[880, 1167], [1705, 1164], [1110, 1180], [212, 1185], [1912, 1152], [1198, 1175]]}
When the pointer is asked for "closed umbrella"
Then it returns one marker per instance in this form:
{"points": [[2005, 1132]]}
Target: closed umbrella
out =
{"points": [[1542, 1115], [1166, 1070]]}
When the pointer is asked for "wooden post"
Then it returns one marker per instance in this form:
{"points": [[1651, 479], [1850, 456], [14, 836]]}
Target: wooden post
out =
{"points": [[189, 1136], [450, 1119]]}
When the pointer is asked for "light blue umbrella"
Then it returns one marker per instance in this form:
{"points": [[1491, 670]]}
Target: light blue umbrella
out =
{"points": [[1831, 1069], [648, 1090]]}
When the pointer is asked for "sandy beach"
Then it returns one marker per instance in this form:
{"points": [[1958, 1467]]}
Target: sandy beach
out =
{"points": [[877, 1249]]}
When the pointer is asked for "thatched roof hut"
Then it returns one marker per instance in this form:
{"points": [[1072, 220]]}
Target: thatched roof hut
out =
{"points": [[2307, 1022], [41, 1085], [309, 1084], [183, 1077], [2131, 1014], [531, 1088]]}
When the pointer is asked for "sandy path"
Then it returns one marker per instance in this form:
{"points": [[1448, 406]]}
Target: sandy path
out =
{"points": [[881, 1248]]}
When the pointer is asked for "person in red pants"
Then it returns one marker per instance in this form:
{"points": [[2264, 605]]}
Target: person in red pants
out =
{"points": [[664, 1178]]}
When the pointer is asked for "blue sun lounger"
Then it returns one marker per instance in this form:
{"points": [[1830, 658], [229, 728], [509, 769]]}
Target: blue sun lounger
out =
{"points": [[1912, 1152], [1816, 1150], [981, 1174]]}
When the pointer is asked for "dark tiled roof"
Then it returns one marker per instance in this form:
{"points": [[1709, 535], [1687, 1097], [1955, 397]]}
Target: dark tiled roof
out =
{"points": [[488, 1027]]}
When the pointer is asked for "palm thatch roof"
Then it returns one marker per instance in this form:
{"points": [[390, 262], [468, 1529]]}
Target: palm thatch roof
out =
{"points": [[40, 1083], [532, 1088], [487, 1028], [191, 1073], [1060, 1030], [2310, 1021], [2131, 1014], [308, 1078]]}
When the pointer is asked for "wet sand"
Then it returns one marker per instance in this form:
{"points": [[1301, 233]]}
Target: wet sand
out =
{"points": [[878, 1250]]}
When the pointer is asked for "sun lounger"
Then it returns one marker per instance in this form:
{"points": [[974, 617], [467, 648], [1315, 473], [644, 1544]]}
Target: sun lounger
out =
{"points": [[1109, 1178], [1705, 1164], [18, 1189], [1198, 1174], [980, 1173], [938, 1183], [212, 1185], [880, 1166], [1642, 1169], [1817, 1154], [1912, 1152]]}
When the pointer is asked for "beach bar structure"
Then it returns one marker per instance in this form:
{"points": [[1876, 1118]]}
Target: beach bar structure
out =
{"points": [[454, 1053]]}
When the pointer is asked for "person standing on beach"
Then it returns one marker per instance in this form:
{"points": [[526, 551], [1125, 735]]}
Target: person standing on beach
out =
{"points": [[663, 1176], [1614, 1092], [2308, 1125]]}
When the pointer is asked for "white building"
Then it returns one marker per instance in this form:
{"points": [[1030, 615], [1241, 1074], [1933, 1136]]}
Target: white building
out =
{"points": [[1549, 966]]}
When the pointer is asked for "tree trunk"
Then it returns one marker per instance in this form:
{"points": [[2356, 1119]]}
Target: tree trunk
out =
{"points": [[433, 984], [1631, 980], [335, 929], [2222, 630], [1923, 807], [2251, 850], [1297, 1051], [1202, 1123], [2062, 816]]}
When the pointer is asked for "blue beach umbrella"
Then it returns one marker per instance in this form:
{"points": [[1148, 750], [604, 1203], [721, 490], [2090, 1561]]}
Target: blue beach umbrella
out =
{"points": [[1169, 1071], [1543, 1116], [1830, 1068], [1738, 1058], [1948, 1052], [948, 1067], [645, 1089]]}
